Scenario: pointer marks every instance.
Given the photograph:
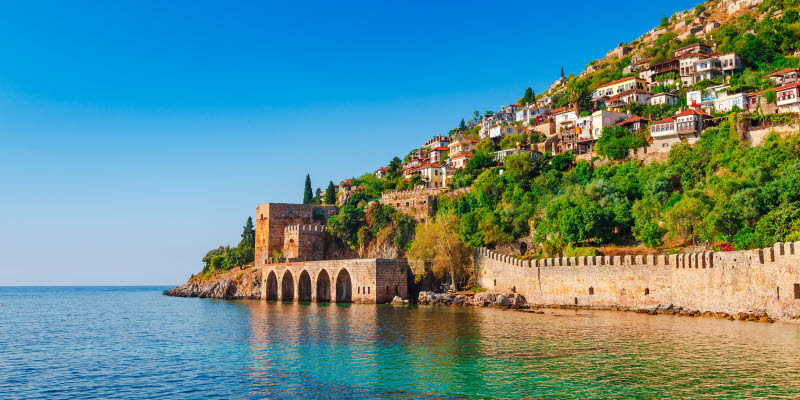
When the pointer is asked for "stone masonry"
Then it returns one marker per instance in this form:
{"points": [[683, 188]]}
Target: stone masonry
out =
{"points": [[763, 280], [341, 281], [273, 218], [417, 203]]}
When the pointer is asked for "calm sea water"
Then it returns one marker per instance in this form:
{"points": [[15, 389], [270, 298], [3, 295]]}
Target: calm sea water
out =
{"points": [[135, 343]]}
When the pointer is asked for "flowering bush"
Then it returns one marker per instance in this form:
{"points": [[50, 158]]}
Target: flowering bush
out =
{"points": [[723, 246]]}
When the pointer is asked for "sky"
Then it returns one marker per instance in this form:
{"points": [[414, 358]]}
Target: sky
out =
{"points": [[137, 135]]}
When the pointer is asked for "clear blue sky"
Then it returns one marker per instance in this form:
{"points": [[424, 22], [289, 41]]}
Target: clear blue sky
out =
{"points": [[135, 136]]}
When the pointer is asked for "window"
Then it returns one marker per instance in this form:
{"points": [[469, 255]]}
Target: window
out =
{"points": [[646, 291], [369, 290], [591, 291], [797, 291]]}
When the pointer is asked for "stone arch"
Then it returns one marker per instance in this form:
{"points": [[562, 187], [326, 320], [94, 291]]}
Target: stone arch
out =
{"points": [[304, 287], [323, 286], [344, 287], [287, 286], [272, 286]]}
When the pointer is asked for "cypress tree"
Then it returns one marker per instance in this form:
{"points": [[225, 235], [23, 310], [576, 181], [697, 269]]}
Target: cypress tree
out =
{"points": [[528, 98], [308, 194], [463, 125], [249, 234], [562, 71], [330, 194]]}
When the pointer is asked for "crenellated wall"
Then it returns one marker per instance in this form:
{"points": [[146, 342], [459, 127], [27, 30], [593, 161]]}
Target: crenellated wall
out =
{"points": [[762, 280], [417, 203]]}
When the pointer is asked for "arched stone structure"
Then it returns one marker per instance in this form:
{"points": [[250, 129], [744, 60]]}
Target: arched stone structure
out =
{"points": [[323, 293], [344, 287], [304, 287], [336, 280], [287, 286], [271, 287]]}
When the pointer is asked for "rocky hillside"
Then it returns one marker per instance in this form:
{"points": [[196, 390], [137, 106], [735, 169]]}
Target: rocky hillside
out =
{"points": [[234, 284]]}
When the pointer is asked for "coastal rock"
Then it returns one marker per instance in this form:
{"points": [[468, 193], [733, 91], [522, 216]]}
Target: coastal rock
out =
{"points": [[502, 301], [398, 300], [235, 284]]}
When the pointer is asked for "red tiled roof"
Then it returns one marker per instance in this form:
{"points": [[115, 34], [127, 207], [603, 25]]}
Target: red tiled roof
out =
{"points": [[701, 55], [441, 149], [789, 86], [781, 72], [665, 120], [630, 91], [618, 81], [472, 140], [690, 45], [462, 155], [631, 120], [692, 111], [383, 169]]}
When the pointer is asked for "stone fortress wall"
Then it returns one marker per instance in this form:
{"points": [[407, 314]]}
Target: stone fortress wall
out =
{"points": [[763, 280], [417, 203], [311, 243], [273, 218]]}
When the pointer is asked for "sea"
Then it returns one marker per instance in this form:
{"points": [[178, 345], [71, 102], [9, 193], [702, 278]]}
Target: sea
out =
{"points": [[135, 343]]}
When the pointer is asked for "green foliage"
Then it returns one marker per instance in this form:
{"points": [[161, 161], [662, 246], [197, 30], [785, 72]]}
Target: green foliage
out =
{"points": [[330, 194], [517, 166], [510, 141], [224, 258], [617, 140], [248, 234], [345, 225], [308, 194]]}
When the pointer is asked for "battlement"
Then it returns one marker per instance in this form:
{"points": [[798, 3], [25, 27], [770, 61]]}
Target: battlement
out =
{"points": [[759, 280], [305, 228], [409, 193]]}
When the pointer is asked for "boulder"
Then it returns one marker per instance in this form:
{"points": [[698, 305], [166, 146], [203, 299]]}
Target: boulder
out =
{"points": [[398, 300], [502, 301]]}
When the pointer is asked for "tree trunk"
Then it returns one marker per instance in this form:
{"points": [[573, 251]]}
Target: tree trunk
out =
{"points": [[453, 279]]}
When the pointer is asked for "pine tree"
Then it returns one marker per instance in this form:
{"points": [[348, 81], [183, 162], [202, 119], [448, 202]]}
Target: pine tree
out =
{"points": [[330, 194], [248, 235], [528, 96], [463, 125], [396, 166], [308, 194]]}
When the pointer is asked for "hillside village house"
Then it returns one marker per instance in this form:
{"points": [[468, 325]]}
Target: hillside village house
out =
{"points": [[462, 146], [616, 87], [410, 165], [784, 76], [578, 136], [787, 98], [693, 48], [658, 69], [435, 175], [605, 118], [688, 65], [437, 153], [725, 102], [731, 62], [460, 161], [634, 124], [705, 98], [663, 134], [437, 141], [498, 132], [663, 98], [500, 155], [690, 123], [529, 112], [629, 96], [381, 172]]}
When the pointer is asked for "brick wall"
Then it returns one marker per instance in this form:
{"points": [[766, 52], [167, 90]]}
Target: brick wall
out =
{"points": [[417, 203], [273, 218], [760, 280]]}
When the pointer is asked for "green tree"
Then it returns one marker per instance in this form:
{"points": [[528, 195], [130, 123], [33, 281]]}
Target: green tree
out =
{"points": [[308, 194], [562, 71], [462, 126], [439, 245], [517, 166], [330, 193], [685, 219], [318, 196], [248, 234], [617, 140], [395, 167]]}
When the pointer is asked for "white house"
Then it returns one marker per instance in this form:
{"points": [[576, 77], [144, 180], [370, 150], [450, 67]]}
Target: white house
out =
{"points": [[725, 102], [663, 98]]}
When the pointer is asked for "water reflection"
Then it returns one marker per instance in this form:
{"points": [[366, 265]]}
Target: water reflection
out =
{"points": [[365, 351]]}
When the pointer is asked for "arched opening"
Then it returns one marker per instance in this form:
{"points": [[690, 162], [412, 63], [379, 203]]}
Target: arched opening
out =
{"points": [[323, 286], [287, 286], [272, 286], [646, 291], [591, 291], [304, 287], [344, 289]]}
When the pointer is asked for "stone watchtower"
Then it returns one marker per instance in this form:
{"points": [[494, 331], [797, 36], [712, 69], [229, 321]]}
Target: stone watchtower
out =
{"points": [[272, 219]]}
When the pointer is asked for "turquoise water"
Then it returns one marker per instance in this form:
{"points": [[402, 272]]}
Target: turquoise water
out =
{"points": [[61, 343]]}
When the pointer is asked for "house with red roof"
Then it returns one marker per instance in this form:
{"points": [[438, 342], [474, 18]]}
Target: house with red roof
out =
{"points": [[459, 161], [683, 127], [634, 123], [381, 172], [787, 97], [784, 76], [462, 146], [438, 153]]}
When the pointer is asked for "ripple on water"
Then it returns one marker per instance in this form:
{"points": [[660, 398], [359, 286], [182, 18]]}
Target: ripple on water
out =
{"points": [[134, 343]]}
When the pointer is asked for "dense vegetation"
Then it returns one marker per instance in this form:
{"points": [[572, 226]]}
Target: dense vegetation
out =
{"points": [[224, 258]]}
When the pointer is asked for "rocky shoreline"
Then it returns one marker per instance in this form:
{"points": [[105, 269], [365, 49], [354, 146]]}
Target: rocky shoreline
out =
{"points": [[237, 284]]}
